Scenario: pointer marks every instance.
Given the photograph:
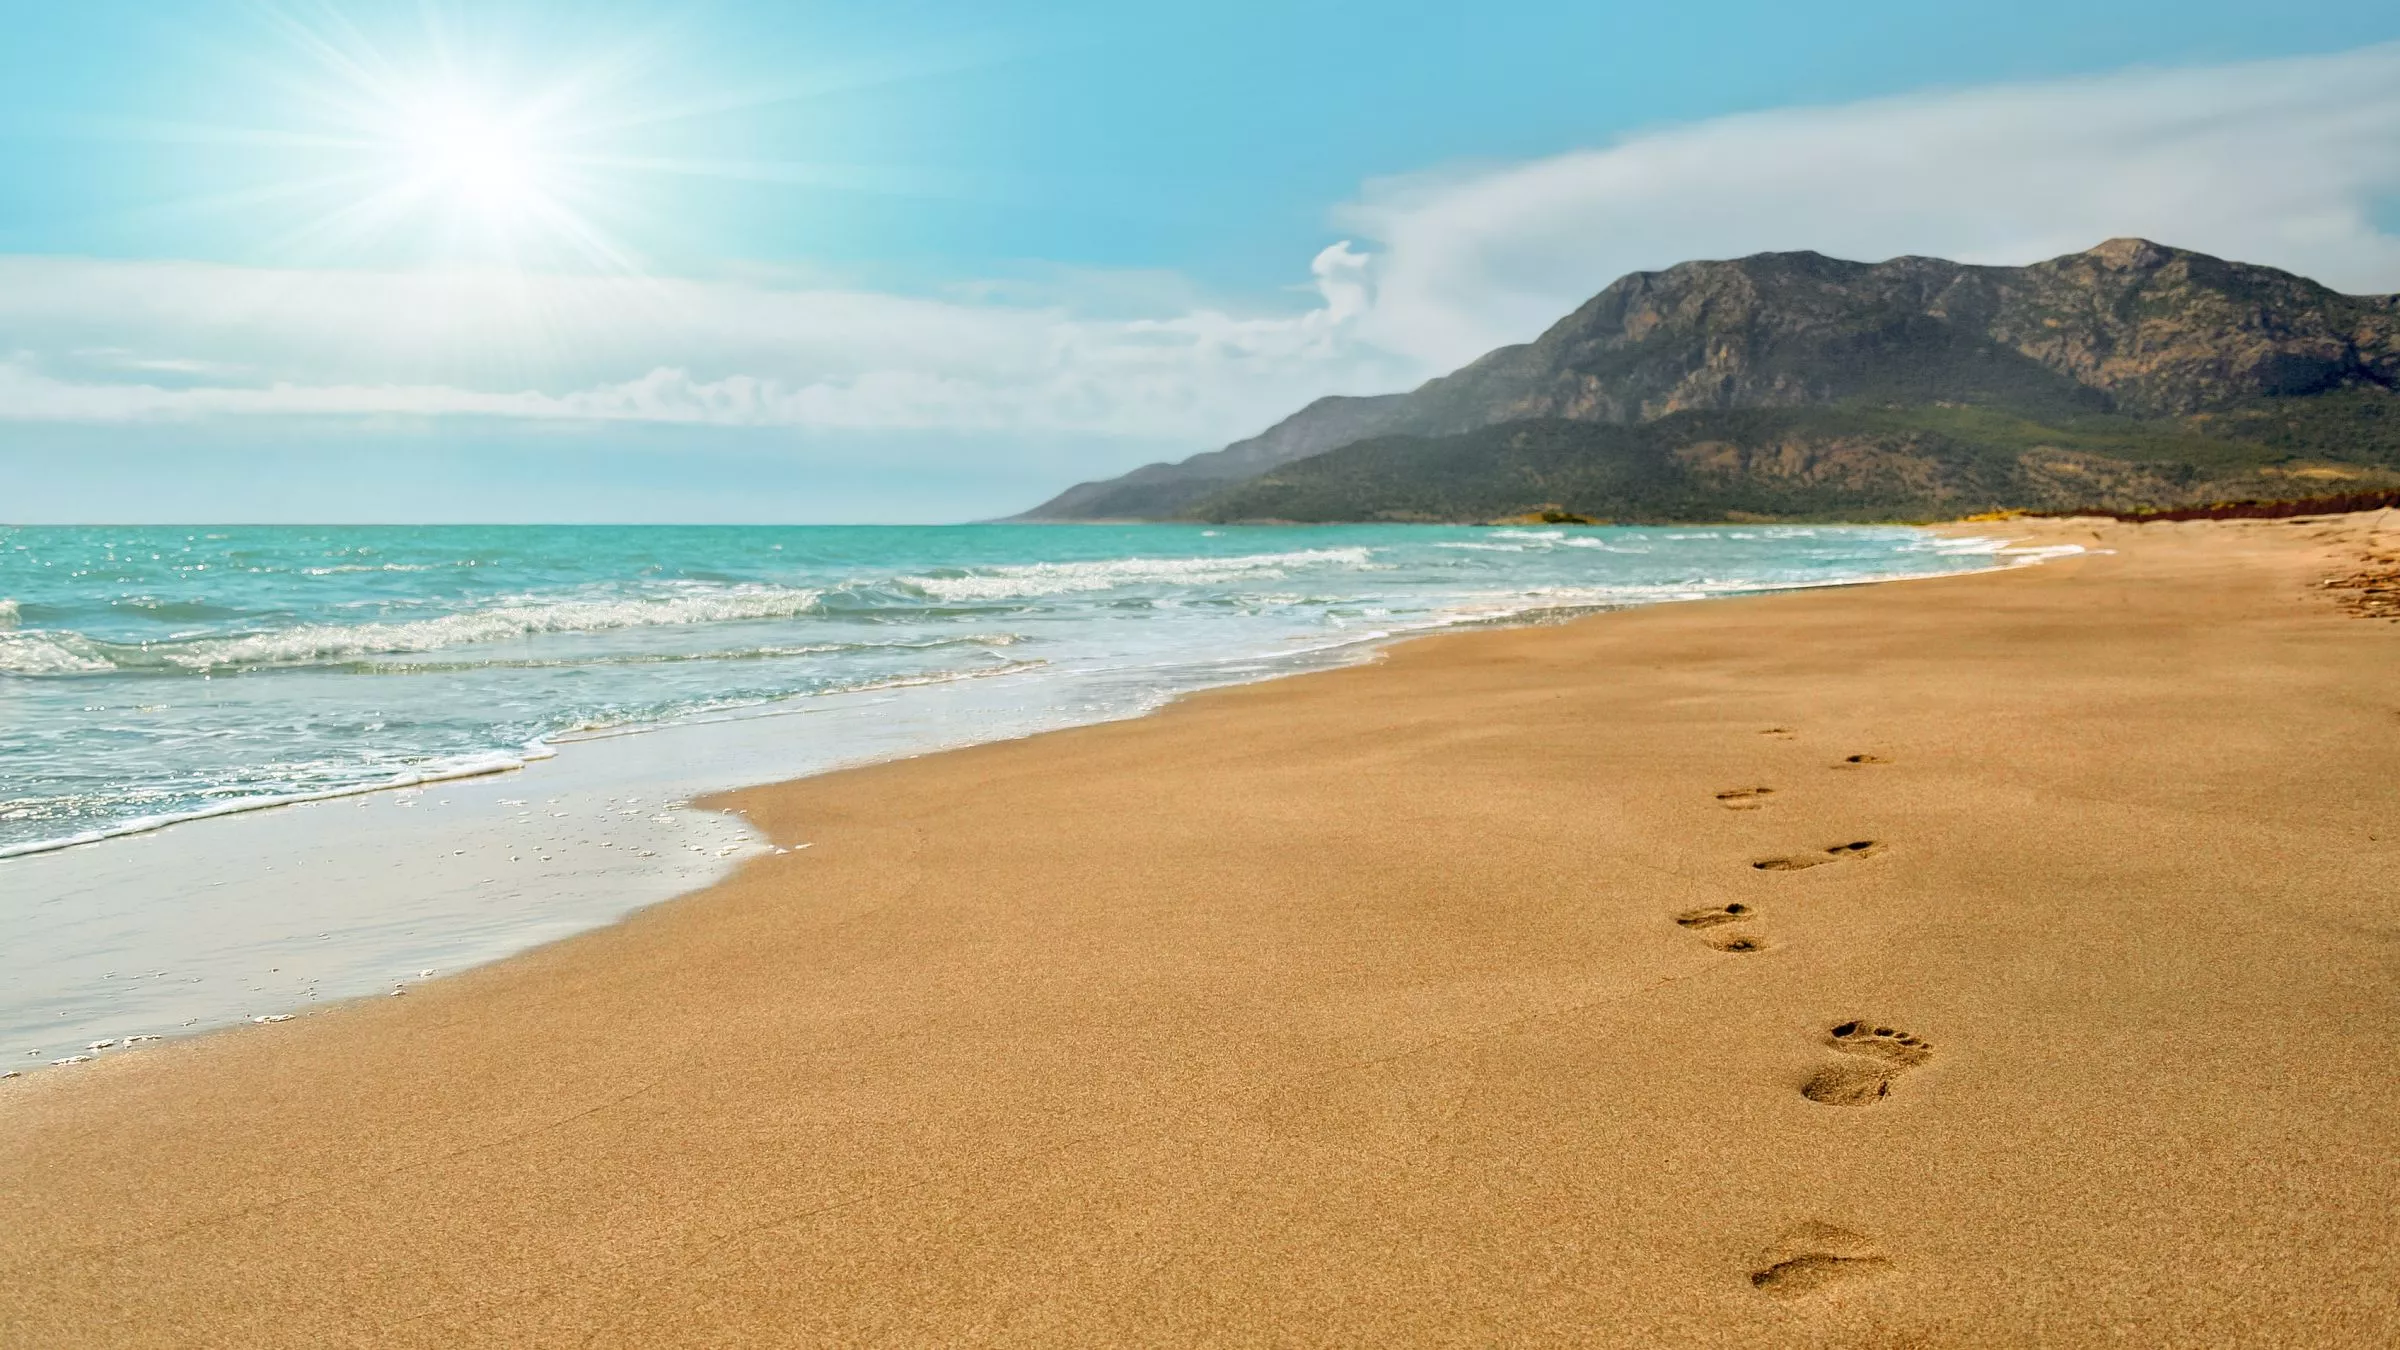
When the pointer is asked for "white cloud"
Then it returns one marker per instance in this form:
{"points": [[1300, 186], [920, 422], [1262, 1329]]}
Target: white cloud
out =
{"points": [[87, 340], [2279, 162], [1341, 273]]}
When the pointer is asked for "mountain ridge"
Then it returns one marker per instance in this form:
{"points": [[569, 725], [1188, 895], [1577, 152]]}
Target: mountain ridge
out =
{"points": [[2130, 347]]}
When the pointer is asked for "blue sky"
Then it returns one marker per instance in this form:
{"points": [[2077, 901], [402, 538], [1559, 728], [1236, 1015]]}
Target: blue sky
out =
{"points": [[932, 261]]}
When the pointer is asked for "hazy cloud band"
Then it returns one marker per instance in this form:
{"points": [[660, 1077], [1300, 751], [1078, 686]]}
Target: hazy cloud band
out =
{"points": [[2282, 162]]}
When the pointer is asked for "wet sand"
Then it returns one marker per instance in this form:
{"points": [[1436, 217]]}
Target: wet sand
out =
{"points": [[2050, 995]]}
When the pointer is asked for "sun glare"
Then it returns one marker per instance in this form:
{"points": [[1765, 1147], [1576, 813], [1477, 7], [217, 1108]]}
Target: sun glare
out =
{"points": [[475, 162], [438, 141], [442, 148]]}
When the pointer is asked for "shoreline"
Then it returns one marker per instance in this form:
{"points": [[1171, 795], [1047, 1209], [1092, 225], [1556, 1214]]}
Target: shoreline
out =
{"points": [[495, 760], [402, 918], [1404, 1001]]}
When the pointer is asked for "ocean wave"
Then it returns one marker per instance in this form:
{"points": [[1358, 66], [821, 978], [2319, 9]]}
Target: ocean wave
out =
{"points": [[53, 652], [39, 653], [8, 615], [1986, 546], [1026, 581], [1530, 541], [766, 653]]}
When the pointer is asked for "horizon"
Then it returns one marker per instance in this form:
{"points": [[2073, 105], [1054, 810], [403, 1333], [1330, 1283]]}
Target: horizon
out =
{"points": [[319, 264]]}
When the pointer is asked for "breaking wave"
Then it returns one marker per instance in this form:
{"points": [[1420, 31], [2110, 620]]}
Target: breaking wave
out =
{"points": [[1024, 581], [40, 652]]}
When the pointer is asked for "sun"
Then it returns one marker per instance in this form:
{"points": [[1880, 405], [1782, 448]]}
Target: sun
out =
{"points": [[443, 132], [474, 162], [434, 142]]}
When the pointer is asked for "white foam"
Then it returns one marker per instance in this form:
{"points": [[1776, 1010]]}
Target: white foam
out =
{"points": [[480, 765], [1532, 541], [39, 652], [8, 614], [439, 771], [495, 624], [2017, 555], [766, 653], [1027, 580]]}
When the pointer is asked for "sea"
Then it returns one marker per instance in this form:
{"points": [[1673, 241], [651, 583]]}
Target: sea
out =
{"points": [[248, 770]]}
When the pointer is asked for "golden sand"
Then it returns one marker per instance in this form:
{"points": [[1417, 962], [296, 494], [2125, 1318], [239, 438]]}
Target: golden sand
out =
{"points": [[1986, 961]]}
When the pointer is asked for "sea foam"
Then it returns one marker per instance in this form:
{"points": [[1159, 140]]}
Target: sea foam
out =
{"points": [[39, 652], [1033, 580]]}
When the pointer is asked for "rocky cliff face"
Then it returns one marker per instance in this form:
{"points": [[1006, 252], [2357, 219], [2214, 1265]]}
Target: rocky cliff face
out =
{"points": [[2164, 332], [2130, 328]]}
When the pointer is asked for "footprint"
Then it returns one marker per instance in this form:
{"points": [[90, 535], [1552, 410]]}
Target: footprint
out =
{"points": [[1852, 761], [1856, 848], [1875, 1055], [1719, 916], [1744, 799], [1814, 1256], [1785, 732]]}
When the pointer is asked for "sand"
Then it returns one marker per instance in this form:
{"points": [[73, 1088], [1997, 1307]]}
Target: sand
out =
{"points": [[1404, 1004]]}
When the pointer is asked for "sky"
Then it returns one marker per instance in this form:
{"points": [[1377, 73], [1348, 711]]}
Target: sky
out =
{"points": [[934, 261]]}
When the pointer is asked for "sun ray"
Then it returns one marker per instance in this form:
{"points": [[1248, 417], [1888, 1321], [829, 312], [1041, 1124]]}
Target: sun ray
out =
{"points": [[427, 135]]}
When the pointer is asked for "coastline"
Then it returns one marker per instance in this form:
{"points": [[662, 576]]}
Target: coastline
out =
{"points": [[275, 905], [1354, 1006], [496, 759]]}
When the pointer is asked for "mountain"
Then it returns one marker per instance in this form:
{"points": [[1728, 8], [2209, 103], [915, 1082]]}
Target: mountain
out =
{"points": [[1161, 491], [1793, 385]]}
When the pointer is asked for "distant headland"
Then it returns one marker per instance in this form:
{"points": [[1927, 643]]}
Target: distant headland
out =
{"points": [[1791, 386]]}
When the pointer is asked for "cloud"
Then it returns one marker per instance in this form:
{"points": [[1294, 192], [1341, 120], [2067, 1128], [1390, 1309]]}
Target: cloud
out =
{"points": [[2281, 162], [1341, 272], [89, 340], [2278, 162]]}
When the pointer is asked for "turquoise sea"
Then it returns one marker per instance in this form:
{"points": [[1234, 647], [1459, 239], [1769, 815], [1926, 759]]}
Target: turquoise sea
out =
{"points": [[154, 674]]}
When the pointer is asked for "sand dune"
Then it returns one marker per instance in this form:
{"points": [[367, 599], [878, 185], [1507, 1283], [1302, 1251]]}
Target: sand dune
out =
{"points": [[2040, 987]]}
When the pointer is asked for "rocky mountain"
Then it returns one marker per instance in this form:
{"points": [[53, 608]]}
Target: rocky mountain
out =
{"points": [[1796, 385]]}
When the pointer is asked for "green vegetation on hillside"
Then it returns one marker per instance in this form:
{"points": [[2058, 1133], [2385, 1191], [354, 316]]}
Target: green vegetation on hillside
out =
{"points": [[1853, 462]]}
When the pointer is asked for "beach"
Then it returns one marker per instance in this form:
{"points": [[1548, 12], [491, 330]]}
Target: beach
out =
{"points": [[1992, 959], [249, 770]]}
